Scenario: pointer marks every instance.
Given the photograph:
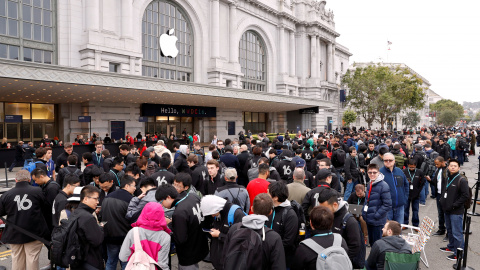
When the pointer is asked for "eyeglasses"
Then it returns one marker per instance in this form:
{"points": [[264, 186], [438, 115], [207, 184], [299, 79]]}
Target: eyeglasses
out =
{"points": [[97, 198], [220, 144], [372, 172], [389, 160]]}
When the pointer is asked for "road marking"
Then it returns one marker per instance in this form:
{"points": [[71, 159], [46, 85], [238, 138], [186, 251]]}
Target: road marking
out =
{"points": [[5, 255], [6, 251]]}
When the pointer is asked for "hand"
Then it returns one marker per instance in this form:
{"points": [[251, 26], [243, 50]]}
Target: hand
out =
{"points": [[168, 220], [362, 170], [214, 232], [142, 195], [350, 181], [428, 178], [97, 211], [62, 166]]}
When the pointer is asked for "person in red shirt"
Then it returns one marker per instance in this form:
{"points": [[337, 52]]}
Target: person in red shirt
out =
{"points": [[260, 184], [129, 138]]}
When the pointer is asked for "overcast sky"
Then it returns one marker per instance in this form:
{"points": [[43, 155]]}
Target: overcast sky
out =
{"points": [[440, 40]]}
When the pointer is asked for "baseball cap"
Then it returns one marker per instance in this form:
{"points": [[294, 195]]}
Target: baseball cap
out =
{"points": [[300, 163], [231, 174], [76, 195], [323, 174]]}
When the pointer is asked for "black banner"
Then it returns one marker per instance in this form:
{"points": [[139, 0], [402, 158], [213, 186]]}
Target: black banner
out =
{"points": [[13, 118], [84, 119], [312, 110], [177, 110]]}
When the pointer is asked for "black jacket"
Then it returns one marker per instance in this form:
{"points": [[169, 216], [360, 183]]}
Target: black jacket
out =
{"points": [[50, 190], [114, 209], [416, 185], [87, 176], [376, 259], [337, 157], [306, 258], [129, 158], [444, 150], [62, 160], [221, 224], [354, 200], [90, 233], [104, 194], [190, 240], [351, 233], [211, 185], [311, 199], [69, 170], [457, 194], [181, 164], [242, 173], [199, 176], [117, 176], [230, 160], [58, 205], [286, 225], [285, 168], [163, 176], [30, 217], [352, 169]]}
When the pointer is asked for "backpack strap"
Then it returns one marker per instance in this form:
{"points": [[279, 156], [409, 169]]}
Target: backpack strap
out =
{"points": [[345, 219], [136, 239], [231, 214], [310, 243], [337, 240]]}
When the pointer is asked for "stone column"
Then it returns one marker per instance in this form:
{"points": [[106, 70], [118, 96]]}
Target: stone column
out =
{"points": [[233, 42], [98, 60], [333, 63], [215, 27], [313, 56], [127, 24], [281, 50], [329, 63], [92, 15], [292, 54], [132, 65]]}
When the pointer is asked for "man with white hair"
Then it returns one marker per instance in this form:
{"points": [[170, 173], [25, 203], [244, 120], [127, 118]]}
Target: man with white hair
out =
{"points": [[399, 187], [160, 149], [297, 189]]}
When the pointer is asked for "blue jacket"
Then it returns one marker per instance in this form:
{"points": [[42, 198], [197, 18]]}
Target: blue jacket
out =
{"points": [[398, 183], [230, 161], [379, 202]]}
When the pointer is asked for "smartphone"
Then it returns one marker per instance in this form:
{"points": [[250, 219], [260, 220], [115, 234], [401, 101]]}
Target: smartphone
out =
{"points": [[206, 230], [103, 223]]}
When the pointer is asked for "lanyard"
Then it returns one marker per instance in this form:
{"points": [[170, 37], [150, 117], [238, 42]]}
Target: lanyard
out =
{"points": [[116, 177], [451, 181], [358, 201], [323, 234], [273, 218], [98, 158], [182, 199], [369, 192], [411, 178]]}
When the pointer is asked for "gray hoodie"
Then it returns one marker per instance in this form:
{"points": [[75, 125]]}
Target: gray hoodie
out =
{"points": [[396, 244]]}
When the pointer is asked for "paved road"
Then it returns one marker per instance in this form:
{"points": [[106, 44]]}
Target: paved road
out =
{"points": [[436, 258]]}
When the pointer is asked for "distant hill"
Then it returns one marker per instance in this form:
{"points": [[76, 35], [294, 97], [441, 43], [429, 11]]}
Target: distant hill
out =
{"points": [[471, 105]]}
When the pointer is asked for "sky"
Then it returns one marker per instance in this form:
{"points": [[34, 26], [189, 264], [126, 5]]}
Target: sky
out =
{"points": [[440, 39]]}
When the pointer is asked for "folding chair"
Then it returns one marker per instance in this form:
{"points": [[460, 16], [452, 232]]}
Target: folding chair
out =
{"points": [[402, 261], [419, 236]]}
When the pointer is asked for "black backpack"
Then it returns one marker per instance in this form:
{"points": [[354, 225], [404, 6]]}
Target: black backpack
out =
{"points": [[301, 219], [77, 172], [338, 158], [244, 249], [428, 166], [469, 201], [235, 200], [359, 261], [463, 144], [67, 248]]}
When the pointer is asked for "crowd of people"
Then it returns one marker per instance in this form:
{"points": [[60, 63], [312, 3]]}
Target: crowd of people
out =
{"points": [[249, 203]]}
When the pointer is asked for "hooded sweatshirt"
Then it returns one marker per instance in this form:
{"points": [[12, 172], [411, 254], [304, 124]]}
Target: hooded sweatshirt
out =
{"points": [[396, 244], [160, 150], [379, 202], [285, 224], [273, 256], [153, 233], [180, 163]]}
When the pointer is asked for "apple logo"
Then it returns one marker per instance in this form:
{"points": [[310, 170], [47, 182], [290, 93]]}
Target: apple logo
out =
{"points": [[168, 47]]}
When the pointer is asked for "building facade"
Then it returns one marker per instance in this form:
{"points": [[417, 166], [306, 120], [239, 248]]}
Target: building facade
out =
{"points": [[241, 65]]}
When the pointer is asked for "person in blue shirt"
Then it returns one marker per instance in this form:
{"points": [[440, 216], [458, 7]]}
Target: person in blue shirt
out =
{"points": [[399, 188]]}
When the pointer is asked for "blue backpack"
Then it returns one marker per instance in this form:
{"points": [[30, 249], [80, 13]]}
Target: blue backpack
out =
{"points": [[231, 214]]}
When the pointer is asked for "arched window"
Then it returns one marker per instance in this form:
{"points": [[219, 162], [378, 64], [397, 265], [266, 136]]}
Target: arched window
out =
{"points": [[253, 60], [27, 30], [159, 17]]}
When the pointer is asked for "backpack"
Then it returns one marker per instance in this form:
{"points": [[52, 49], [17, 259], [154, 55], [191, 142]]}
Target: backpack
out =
{"points": [[399, 160], [462, 144], [428, 165], [235, 200], [245, 249], [469, 201], [77, 172], [359, 260], [67, 248], [231, 214], [31, 166], [140, 260], [338, 158], [334, 257], [300, 216]]}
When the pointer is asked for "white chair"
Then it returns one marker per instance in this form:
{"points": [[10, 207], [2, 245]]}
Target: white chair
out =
{"points": [[418, 237]]}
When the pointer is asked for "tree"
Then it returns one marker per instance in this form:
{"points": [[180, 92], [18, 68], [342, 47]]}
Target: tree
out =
{"points": [[349, 116], [411, 119], [477, 116], [377, 92], [454, 109], [447, 117]]}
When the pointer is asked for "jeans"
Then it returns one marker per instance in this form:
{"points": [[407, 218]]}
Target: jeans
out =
{"points": [[460, 156], [350, 188], [453, 153], [433, 188], [441, 215], [415, 204], [112, 261], [454, 224], [397, 214], [424, 194], [374, 233]]}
